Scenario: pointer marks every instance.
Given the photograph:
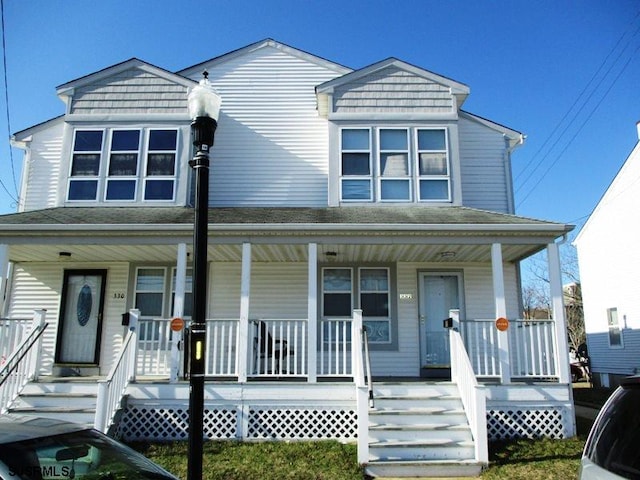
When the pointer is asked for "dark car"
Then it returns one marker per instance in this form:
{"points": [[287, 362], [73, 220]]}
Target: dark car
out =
{"points": [[45, 449], [612, 450]]}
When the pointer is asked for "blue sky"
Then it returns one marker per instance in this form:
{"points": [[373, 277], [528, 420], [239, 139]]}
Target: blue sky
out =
{"points": [[565, 73]]}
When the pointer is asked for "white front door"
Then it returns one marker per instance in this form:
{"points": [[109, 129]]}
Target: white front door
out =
{"points": [[81, 316], [439, 293]]}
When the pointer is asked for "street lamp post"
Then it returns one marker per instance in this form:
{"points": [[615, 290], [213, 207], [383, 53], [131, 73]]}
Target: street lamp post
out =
{"points": [[204, 108]]}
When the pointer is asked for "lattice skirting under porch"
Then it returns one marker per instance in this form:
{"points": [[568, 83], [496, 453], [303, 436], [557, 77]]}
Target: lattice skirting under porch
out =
{"points": [[526, 423], [247, 423]]}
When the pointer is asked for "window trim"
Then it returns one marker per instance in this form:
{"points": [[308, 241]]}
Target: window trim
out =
{"points": [[103, 179], [375, 178], [392, 344]]}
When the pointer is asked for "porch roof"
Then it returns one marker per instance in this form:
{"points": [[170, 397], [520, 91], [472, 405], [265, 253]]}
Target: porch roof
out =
{"points": [[152, 233], [137, 218]]}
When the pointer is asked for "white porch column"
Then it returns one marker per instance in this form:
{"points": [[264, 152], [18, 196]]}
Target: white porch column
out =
{"points": [[4, 269], [501, 310], [178, 311], [312, 313], [557, 307], [243, 327]]}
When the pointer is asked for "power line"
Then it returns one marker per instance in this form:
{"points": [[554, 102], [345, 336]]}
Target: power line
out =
{"points": [[537, 165], [6, 100]]}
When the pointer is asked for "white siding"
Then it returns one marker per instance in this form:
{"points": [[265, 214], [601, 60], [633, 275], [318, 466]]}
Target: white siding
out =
{"points": [[609, 261], [393, 90], [132, 91], [485, 176], [271, 145], [42, 168], [39, 286], [278, 290]]}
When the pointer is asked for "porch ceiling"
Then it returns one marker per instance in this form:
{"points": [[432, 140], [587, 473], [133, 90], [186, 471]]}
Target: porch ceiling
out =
{"points": [[327, 253]]}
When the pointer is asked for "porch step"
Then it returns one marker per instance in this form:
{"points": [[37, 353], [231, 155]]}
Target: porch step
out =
{"points": [[69, 400], [419, 430]]}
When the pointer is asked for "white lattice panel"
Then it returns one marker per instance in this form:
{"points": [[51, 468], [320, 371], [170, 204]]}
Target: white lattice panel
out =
{"points": [[167, 424], [521, 423], [302, 424]]}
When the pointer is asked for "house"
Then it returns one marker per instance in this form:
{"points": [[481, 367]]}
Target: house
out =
{"points": [[339, 199], [608, 271]]}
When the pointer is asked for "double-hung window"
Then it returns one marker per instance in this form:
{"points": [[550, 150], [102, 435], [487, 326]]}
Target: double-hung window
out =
{"points": [[109, 165], [122, 176], [394, 164], [356, 168], [160, 175], [433, 165], [85, 165], [368, 288]]}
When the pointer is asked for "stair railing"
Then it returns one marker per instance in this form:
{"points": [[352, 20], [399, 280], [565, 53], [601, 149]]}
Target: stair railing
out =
{"points": [[111, 390], [23, 363], [358, 368], [472, 394]]}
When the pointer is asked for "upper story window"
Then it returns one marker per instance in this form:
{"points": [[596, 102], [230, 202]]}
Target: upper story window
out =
{"points": [[123, 165], [394, 165]]}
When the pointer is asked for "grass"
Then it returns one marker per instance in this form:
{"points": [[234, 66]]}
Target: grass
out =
{"points": [[543, 459]]}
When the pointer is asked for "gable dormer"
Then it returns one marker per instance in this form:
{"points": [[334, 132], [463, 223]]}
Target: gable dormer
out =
{"points": [[394, 135], [127, 137]]}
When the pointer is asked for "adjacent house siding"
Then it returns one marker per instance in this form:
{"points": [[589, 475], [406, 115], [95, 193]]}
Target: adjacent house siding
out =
{"points": [[271, 146], [609, 261], [133, 91], [393, 90], [41, 175], [484, 170]]}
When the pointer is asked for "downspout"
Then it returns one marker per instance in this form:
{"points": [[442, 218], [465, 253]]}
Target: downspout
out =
{"points": [[508, 171]]}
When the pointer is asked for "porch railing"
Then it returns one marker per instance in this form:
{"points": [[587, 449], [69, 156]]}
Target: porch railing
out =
{"points": [[22, 364], [531, 348], [12, 332], [112, 389], [276, 348], [472, 394]]}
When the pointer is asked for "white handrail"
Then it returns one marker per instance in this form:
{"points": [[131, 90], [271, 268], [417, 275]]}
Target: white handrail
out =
{"points": [[472, 394], [112, 389], [22, 365], [362, 405]]}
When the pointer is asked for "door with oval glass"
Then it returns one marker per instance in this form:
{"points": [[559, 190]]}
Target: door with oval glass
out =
{"points": [[439, 293], [81, 317]]}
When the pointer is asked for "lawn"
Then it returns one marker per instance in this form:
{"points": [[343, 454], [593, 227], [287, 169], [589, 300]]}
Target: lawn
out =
{"points": [[328, 460]]}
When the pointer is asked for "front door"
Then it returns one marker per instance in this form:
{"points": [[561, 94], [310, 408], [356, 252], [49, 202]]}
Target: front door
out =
{"points": [[81, 317], [439, 293]]}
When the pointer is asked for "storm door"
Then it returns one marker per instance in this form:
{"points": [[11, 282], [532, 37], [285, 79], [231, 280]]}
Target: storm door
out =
{"points": [[439, 293], [81, 317]]}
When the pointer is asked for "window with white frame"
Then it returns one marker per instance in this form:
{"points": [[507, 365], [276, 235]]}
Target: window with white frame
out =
{"points": [[107, 164], [368, 288], [615, 333], [402, 165]]}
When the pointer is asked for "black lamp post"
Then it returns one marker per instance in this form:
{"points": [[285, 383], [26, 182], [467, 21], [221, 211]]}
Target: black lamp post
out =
{"points": [[204, 108]]}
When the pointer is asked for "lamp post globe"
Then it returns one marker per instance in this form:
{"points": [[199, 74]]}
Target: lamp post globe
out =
{"points": [[204, 107]]}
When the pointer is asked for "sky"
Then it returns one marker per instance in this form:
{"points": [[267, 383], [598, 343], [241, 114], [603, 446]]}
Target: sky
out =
{"points": [[564, 73]]}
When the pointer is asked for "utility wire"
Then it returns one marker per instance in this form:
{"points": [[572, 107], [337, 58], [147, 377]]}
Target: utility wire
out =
{"points": [[6, 100], [593, 110], [572, 121]]}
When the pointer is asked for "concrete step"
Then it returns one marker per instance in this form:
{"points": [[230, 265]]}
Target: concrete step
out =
{"points": [[396, 433], [424, 469], [421, 449]]}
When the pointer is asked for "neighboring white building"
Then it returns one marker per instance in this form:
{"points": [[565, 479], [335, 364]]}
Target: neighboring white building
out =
{"points": [[331, 191], [610, 276]]}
